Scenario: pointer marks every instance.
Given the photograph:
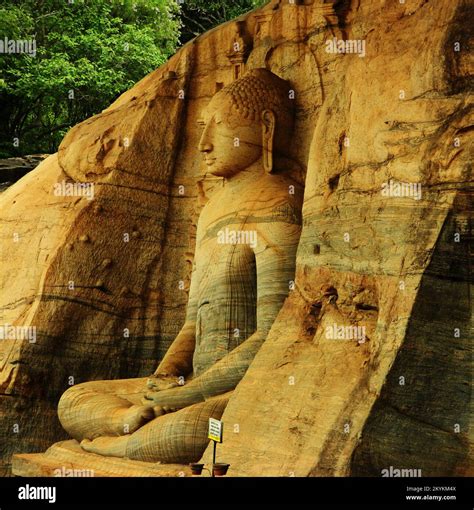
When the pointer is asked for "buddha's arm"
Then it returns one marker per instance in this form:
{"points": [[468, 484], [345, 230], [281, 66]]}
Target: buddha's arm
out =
{"points": [[275, 270], [178, 360]]}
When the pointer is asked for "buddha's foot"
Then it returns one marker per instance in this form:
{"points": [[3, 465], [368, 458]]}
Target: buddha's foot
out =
{"points": [[107, 446], [132, 418]]}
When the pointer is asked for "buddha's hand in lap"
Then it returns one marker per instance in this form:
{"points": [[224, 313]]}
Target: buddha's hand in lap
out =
{"points": [[157, 386], [168, 400], [161, 382], [162, 410]]}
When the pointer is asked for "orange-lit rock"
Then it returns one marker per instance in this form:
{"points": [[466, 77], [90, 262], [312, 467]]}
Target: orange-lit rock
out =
{"points": [[395, 265]]}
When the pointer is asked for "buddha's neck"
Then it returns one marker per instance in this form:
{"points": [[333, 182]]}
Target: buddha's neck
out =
{"points": [[245, 179]]}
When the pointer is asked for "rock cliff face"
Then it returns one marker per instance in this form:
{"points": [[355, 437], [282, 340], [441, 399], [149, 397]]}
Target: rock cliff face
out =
{"points": [[368, 363], [13, 169]]}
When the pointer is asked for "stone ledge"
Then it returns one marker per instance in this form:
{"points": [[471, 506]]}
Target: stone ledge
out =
{"points": [[13, 169], [71, 460]]}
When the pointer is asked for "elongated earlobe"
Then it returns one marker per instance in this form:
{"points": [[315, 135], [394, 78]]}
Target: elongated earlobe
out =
{"points": [[268, 130]]}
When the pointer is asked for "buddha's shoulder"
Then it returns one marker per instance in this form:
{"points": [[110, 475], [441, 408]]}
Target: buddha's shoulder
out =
{"points": [[281, 187], [279, 181]]}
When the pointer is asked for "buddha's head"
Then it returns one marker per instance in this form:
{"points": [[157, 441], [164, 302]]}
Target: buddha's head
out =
{"points": [[247, 121]]}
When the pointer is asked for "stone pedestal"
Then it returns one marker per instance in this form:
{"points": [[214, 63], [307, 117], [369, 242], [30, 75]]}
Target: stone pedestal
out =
{"points": [[68, 459]]}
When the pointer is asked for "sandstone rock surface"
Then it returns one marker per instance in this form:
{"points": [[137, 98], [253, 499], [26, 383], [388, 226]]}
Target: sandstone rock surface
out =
{"points": [[397, 266]]}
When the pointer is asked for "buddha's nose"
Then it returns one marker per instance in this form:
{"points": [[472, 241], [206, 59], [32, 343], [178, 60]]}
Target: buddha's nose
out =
{"points": [[205, 144], [205, 147]]}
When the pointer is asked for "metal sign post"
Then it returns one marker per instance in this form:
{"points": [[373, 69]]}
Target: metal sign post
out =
{"points": [[215, 434], [214, 457]]}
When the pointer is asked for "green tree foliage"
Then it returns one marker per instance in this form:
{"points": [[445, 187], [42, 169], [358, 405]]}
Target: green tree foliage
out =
{"points": [[198, 16], [88, 52]]}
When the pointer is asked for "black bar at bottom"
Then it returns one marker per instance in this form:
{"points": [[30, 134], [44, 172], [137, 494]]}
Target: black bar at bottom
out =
{"points": [[196, 491]]}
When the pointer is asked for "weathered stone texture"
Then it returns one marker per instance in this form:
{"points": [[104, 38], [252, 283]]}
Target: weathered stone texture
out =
{"points": [[308, 405]]}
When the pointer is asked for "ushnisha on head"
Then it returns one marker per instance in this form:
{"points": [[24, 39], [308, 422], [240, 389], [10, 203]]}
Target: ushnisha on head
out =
{"points": [[249, 121]]}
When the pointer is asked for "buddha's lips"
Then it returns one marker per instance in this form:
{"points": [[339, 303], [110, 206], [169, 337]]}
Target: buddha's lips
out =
{"points": [[210, 161]]}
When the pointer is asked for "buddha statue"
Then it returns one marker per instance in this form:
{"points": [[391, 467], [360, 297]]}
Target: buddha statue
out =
{"points": [[247, 236]]}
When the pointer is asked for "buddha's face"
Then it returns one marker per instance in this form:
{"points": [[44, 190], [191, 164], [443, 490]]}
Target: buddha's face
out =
{"points": [[230, 143]]}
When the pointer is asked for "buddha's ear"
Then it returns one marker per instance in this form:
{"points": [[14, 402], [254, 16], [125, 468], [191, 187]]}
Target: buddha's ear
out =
{"points": [[268, 132]]}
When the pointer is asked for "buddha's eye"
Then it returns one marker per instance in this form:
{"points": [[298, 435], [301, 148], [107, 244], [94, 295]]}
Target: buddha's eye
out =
{"points": [[201, 123]]}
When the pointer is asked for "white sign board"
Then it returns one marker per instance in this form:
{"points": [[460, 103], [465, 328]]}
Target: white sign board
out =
{"points": [[215, 430]]}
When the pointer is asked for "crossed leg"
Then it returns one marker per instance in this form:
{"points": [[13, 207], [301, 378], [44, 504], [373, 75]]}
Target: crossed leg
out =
{"points": [[178, 437], [108, 418], [104, 408]]}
